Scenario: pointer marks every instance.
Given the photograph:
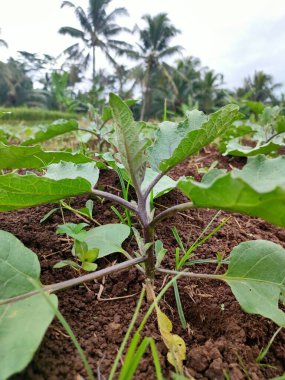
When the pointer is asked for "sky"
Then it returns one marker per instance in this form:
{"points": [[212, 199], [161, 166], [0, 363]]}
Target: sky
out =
{"points": [[232, 37]]}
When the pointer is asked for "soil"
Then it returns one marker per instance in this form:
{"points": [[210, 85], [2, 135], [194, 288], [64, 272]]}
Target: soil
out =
{"points": [[219, 337]]}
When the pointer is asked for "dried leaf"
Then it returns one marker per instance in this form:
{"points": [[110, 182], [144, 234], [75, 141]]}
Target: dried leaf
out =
{"points": [[174, 343]]}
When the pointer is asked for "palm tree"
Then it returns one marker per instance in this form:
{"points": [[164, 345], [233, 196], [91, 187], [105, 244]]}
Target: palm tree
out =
{"points": [[151, 52], [2, 42], [260, 88], [209, 93], [98, 30]]}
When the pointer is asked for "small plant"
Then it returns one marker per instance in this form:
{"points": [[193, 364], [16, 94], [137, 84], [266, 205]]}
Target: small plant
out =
{"points": [[256, 269]]}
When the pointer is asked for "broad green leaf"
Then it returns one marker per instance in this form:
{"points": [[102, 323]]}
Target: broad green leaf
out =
{"points": [[33, 157], [257, 190], [22, 324], [234, 148], [22, 328], [175, 141], [256, 275], [59, 127], [256, 107], [280, 124], [62, 170], [129, 143], [108, 238], [17, 265], [164, 185], [20, 191]]}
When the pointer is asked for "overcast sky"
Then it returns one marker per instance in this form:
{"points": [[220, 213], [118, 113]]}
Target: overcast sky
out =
{"points": [[232, 37]]}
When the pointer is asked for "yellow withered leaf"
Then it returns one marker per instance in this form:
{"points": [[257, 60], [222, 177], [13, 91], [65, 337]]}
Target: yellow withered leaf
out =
{"points": [[175, 344]]}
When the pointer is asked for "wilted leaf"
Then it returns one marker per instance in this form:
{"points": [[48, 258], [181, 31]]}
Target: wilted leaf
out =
{"points": [[174, 343]]}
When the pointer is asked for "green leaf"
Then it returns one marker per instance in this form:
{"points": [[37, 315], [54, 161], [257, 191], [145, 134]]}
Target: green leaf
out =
{"points": [[164, 185], [256, 275], [175, 141], [89, 267], [234, 148], [76, 231], [280, 124], [130, 145], [33, 157], [22, 324], [62, 170], [58, 127], [22, 328], [48, 214], [108, 238], [17, 191], [256, 107], [257, 190], [64, 263], [17, 265], [107, 113], [91, 255]]}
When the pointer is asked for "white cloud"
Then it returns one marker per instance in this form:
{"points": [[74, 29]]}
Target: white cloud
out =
{"points": [[232, 37]]}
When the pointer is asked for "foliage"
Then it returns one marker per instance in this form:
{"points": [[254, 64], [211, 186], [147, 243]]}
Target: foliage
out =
{"points": [[32, 114], [266, 134], [98, 30], [26, 321], [151, 53], [255, 269]]}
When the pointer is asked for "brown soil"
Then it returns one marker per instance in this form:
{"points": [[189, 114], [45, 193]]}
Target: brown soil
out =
{"points": [[220, 336]]}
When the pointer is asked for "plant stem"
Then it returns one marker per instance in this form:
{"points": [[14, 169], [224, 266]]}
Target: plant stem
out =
{"points": [[205, 276], [171, 211], [152, 184], [76, 281], [114, 198]]}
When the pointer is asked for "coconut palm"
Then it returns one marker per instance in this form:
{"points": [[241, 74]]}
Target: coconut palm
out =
{"points": [[151, 52], [259, 88], [2, 42], [98, 30], [209, 94]]}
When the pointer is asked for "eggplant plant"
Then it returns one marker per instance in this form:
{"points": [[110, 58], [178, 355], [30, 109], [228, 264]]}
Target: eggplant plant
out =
{"points": [[266, 132], [256, 269]]}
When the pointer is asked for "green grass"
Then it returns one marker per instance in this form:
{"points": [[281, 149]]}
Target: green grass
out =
{"points": [[16, 115]]}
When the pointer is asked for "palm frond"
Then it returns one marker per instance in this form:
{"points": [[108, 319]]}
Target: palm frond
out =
{"points": [[67, 4], [73, 32], [3, 43]]}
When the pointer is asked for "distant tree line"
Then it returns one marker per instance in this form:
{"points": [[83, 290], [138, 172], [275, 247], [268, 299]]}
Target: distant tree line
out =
{"points": [[43, 81]]}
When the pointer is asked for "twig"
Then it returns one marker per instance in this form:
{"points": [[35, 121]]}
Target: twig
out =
{"points": [[115, 199], [171, 211], [76, 281]]}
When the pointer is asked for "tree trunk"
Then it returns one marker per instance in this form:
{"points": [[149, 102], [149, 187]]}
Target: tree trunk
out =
{"points": [[93, 65], [146, 95]]}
